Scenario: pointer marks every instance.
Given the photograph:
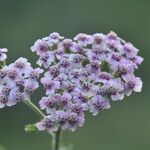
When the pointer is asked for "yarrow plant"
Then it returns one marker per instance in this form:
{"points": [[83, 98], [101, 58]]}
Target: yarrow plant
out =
{"points": [[79, 75]]}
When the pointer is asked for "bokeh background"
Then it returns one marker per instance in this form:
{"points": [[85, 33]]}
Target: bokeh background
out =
{"points": [[126, 126]]}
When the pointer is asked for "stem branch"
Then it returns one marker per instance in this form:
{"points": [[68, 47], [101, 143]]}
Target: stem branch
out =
{"points": [[34, 108], [56, 135]]}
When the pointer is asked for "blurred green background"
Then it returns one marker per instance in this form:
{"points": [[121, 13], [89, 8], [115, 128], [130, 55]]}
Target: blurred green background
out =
{"points": [[126, 126]]}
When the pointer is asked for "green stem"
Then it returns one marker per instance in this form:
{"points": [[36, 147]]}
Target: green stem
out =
{"points": [[56, 135], [37, 111], [34, 108], [56, 140]]}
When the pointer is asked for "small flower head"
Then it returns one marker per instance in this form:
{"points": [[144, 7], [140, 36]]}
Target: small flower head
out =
{"points": [[3, 56], [98, 103], [48, 123], [114, 88], [40, 47], [129, 50], [74, 120], [50, 85], [46, 59], [133, 84], [104, 77], [55, 37], [84, 39]]}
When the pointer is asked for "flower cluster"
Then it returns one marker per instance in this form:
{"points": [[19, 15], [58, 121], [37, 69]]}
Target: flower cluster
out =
{"points": [[84, 74], [17, 82]]}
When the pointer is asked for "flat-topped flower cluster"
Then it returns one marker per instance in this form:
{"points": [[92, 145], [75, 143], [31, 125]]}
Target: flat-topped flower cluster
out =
{"points": [[17, 82], [80, 75]]}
